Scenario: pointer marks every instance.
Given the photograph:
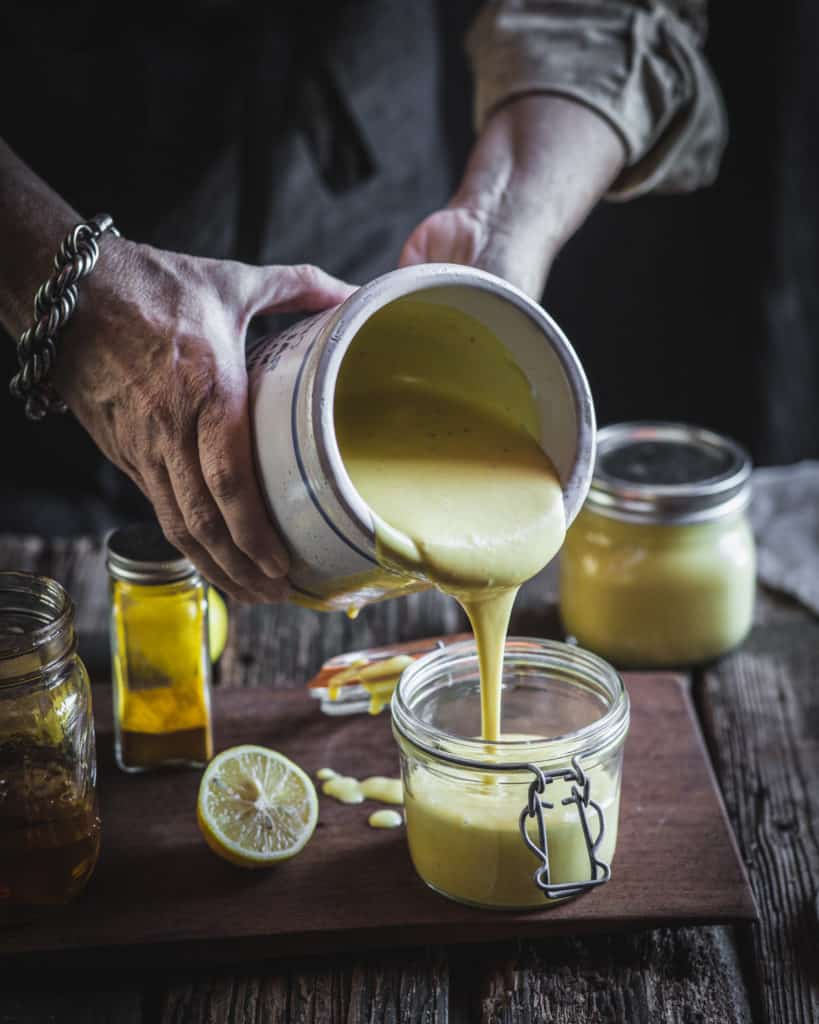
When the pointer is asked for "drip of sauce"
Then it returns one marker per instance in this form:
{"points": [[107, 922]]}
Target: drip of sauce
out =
{"points": [[345, 789], [437, 428], [378, 678], [380, 695], [385, 790], [385, 819], [349, 790]]}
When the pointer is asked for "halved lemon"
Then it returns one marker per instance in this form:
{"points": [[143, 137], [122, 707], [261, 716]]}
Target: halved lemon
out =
{"points": [[256, 807]]}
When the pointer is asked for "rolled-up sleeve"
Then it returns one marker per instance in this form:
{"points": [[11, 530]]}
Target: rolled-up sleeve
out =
{"points": [[637, 64]]}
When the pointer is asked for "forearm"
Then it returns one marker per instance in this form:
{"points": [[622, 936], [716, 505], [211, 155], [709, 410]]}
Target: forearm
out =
{"points": [[540, 164], [637, 63], [33, 222], [537, 170]]}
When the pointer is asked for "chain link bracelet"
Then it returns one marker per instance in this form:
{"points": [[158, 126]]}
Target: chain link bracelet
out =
{"points": [[54, 304]]}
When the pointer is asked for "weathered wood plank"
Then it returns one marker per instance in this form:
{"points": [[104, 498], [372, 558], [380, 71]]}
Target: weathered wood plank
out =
{"points": [[657, 977], [413, 989], [761, 710], [224, 999]]}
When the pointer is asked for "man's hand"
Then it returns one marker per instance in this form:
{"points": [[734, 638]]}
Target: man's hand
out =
{"points": [[537, 169], [153, 366]]}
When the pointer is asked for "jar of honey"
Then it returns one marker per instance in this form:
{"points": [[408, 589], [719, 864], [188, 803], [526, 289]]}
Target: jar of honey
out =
{"points": [[659, 568], [159, 652], [532, 818], [49, 824]]}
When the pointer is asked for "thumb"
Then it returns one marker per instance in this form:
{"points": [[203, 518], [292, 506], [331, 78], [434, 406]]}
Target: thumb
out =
{"points": [[301, 288], [453, 235], [415, 249]]}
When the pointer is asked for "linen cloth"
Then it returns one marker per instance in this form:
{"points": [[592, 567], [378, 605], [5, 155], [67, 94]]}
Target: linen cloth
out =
{"points": [[785, 519]]}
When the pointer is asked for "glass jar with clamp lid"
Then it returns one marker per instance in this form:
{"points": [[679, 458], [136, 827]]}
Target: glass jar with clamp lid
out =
{"points": [[529, 819]]}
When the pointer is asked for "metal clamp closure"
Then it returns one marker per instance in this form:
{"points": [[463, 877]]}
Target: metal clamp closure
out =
{"points": [[600, 872]]}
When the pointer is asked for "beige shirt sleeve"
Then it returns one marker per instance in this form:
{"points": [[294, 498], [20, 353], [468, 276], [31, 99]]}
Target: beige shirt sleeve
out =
{"points": [[638, 63]]}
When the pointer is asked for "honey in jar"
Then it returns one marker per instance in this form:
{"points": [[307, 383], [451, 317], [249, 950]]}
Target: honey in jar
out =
{"points": [[49, 824]]}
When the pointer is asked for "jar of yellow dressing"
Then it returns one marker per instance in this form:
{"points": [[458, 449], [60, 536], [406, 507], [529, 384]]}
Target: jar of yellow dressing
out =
{"points": [[659, 567], [159, 652], [529, 819]]}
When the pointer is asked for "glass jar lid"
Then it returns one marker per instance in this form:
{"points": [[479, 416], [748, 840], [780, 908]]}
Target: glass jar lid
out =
{"points": [[140, 554], [668, 473]]}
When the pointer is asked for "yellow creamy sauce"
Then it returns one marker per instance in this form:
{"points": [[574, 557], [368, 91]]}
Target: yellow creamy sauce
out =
{"points": [[438, 431], [437, 428], [348, 790], [378, 679], [385, 819], [651, 594], [465, 841]]}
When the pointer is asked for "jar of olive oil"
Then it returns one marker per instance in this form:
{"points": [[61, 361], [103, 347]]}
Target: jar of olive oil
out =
{"points": [[159, 652], [659, 568], [49, 823]]}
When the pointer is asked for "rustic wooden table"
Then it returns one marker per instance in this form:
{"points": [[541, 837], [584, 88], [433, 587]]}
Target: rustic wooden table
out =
{"points": [[759, 710]]}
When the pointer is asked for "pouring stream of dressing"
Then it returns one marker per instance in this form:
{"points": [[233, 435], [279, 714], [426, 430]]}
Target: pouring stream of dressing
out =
{"points": [[437, 429]]}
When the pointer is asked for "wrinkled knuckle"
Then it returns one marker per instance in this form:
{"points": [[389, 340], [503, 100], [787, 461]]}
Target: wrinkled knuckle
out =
{"points": [[224, 482], [205, 525], [177, 534]]}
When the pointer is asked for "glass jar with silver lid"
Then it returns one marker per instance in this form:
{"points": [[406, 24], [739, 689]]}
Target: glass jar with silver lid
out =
{"points": [[659, 568], [160, 655]]}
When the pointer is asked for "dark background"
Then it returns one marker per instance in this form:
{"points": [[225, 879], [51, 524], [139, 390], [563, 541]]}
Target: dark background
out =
{"points": [[703, 307], [700, 308]]}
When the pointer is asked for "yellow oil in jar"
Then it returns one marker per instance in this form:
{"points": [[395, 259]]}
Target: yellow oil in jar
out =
{"points": [[161, 674]]}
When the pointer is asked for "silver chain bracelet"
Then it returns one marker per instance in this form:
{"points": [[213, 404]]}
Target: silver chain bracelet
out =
{"points": [[54, 304]]}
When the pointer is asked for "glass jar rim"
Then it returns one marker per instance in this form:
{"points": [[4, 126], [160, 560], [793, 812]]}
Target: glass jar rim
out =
{"points": [[516, 755], [140, 553], [620, 493], [55, 598]]}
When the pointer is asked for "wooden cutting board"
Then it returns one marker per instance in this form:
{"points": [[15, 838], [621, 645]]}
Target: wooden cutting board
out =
{"points": [[160, 896]]}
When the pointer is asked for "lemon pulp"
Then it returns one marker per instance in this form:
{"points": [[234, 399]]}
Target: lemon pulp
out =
{"points": [[256, 807]]}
